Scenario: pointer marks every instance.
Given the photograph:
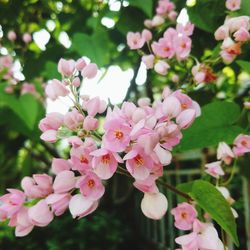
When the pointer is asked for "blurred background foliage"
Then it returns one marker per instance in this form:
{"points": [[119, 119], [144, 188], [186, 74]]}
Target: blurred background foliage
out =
{"points": [[97, 29]]}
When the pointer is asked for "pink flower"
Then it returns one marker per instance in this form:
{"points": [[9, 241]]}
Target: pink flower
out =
{"points": [[161, 67], [94, 105], [64, 182], [105, 163], [37, 187], [89, 71], [185, 215], [163, 48], [182, 46], [66, 67], [58, 202], [138, 163], [52, 121], [80, 64], [81, 158], [147, 35], [247, 105], [12, 202], [76, 82], [80, 206], [40, 214], [11, 35], [214, 169], [221, 33], [186, 29], [148, 60], [163, 155], [135, 40], [186, 118], [241, 145], [233, 4], [116, 137], [55, 89], [225, 153], [204, 237], [154, 205], [157, 21], [73, 119], [59, 165], [226, 57], [241, 35], [90, 123], [147, 185], [23, 223], [28, 88], [27, 38], [171, 107], [49, 136], [91, 186]]}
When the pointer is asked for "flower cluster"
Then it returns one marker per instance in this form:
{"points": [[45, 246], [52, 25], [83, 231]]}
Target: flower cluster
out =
{"points": [[139, 137], [234, 33], [203, 235], [174, 42], [164, 10]]}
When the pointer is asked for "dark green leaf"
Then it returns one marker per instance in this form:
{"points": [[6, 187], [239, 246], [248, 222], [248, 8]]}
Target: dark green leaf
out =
{"points": [[216, 124], [244, 65], [144, 5], [212, 201]]}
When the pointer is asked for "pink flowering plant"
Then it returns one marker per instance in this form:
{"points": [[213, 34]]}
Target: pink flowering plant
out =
{"points": [[142, 139]]}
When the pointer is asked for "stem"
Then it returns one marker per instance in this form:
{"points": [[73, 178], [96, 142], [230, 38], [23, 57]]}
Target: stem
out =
{"points": [[175, 190], [231, 175], [164, 184]]}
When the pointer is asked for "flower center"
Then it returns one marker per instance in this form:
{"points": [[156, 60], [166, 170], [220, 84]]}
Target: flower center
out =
{"points": [[184, 105], [118, 134], [184, 215], [244, 143], [106, 159], [83, 159], [91, 183], [138, 160]]}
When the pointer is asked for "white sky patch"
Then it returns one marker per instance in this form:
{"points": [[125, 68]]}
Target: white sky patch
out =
{"points": [[142, 75], [41, 38], [17, 70], [64, 39], [108, 22], [3, 51], [183, 17], [114, 5], [61, 105], [50, 24], [113, 86], [1, 32]]}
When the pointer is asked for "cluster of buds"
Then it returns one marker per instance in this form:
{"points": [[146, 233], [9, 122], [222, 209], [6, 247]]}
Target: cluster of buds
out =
{"points": [[26, 37], [174, 43], [137, 141], [234, 33], [164, 10]]}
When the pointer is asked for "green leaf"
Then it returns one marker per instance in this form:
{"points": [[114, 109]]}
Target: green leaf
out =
{"points": [[207, 15], [216, 124], [244, 65], [131, 19], [50, 71], [145, 5], [244, 8], [28, 110], [186, 188], [96, 46], [212, 201]]}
